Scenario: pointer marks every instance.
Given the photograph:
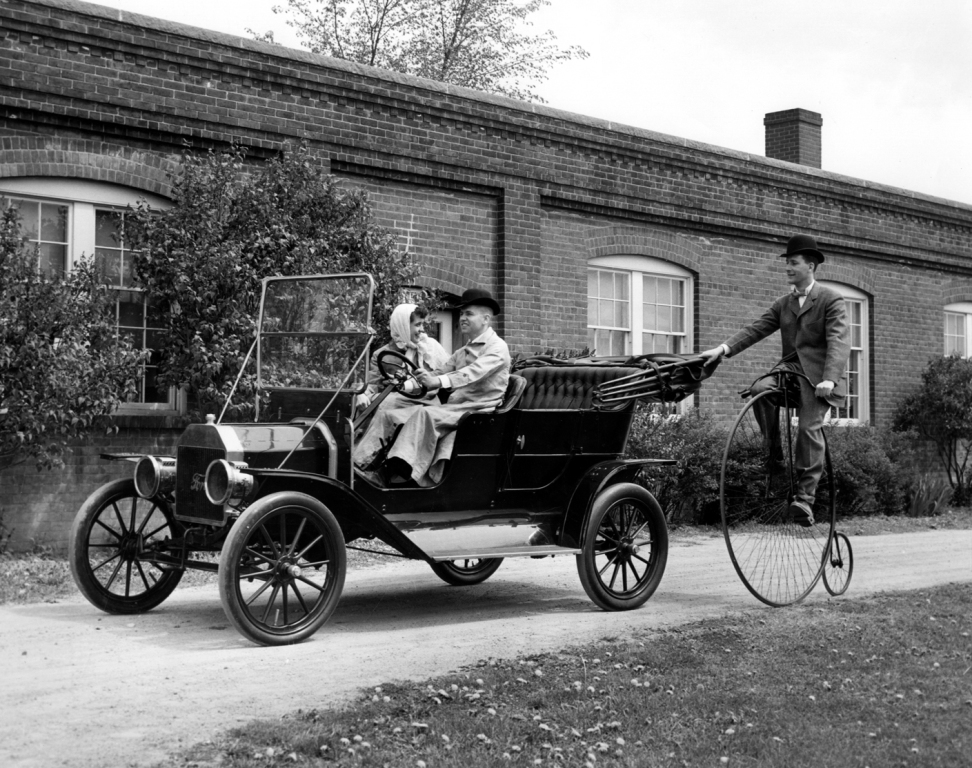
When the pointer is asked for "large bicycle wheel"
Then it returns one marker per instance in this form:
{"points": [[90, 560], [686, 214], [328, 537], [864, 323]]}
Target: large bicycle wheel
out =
{"points": [[778, 560], [839, 566]]}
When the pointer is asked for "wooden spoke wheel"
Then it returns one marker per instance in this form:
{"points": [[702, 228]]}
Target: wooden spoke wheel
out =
{"points": [[282, 568]]}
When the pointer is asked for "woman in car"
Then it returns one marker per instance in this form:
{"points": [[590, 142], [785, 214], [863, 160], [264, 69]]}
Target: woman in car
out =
{"points": [[407, 327]]}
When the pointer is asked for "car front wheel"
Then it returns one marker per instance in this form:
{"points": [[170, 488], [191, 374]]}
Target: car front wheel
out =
{"points": [[282, 568]]}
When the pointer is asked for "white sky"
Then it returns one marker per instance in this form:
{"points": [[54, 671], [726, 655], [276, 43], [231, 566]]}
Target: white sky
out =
{"points": [[892, 78]]}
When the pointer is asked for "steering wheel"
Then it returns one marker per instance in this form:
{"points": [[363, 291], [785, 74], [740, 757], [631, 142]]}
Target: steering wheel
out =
{"points": [[400, 372]]}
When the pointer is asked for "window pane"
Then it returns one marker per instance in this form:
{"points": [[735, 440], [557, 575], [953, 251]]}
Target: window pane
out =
{"points": [[649, 321], [54, 223], [592, 282], [664, 319], [622, 286], [650, 290], [591, 312], [607, 285], [130, 314], [154, 393], [678, 319], [53, 258], [606, 313], [678, 295], [108, 229], [664, 291], [621, 314], [29, 216], [110, 263], [617, 343]]}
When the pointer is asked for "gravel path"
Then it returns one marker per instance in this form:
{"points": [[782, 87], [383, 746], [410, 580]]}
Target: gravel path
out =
{"points": [[82, 688]]}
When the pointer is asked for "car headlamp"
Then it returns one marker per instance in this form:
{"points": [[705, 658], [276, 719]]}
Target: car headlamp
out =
{"points": [[226, 483], [155, 475]]}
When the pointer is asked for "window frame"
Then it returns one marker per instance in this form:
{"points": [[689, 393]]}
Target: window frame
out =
{"points": [[962, 309], [852, 294], [637, 267], [83, 199]]}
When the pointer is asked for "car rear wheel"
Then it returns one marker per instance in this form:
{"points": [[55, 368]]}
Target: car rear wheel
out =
{"points": [[282, 568], [464, 573], [625, 548], [113, 539]]}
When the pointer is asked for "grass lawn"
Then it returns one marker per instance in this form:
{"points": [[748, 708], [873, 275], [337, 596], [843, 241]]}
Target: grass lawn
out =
{"points": [[881, 681]]}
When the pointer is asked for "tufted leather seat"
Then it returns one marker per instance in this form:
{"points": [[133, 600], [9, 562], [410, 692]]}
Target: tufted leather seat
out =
{"points": [[565, 387]]}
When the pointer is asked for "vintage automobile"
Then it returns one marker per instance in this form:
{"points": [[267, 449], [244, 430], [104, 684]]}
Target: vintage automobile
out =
{"points": [[279, 500]]}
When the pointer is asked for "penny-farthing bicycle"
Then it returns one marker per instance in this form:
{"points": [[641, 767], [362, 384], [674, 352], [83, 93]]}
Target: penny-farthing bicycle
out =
{"points": [[779, 560]]}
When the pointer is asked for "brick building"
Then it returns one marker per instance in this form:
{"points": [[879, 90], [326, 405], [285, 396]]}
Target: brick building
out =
{"points": [[588, 232]]}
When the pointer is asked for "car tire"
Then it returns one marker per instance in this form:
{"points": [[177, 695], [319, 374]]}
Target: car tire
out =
{"points": [[625, 548]]}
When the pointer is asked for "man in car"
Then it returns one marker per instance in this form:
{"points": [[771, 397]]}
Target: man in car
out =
{"points": [[812, 323], [475, 378]]}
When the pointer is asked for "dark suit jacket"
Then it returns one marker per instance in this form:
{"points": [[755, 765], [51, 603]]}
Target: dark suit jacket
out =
{"points": [[816, 333]]}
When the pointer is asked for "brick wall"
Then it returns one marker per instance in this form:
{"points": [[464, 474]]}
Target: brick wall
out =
{"points": [[38, 506], [486, 190]]}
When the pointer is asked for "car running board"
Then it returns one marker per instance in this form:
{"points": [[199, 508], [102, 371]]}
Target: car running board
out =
{"points": [[521, 551], [473, 542]]}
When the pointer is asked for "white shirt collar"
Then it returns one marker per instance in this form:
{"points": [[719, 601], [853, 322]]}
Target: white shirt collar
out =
{"points": [[793, 288]]}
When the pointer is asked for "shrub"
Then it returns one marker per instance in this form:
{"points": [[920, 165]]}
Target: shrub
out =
{"points": [[204, 258], [689, 490], [928, 496], [941, 411], [872, 470], [63, 369]]}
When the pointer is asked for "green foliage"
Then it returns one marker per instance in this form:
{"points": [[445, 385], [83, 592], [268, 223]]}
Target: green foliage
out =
{"points": [[941, 411], [928, 497], [63, 371], [872, 470], [203, 260], [483, 44], [689, 490]]}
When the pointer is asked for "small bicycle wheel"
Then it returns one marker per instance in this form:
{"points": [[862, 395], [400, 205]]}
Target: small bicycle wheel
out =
{"points": [[839, 566], [465, 573], [778, 560]]}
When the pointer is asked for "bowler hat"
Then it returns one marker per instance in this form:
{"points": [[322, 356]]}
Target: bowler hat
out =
{"points": [[478, 296], [802, 244]]}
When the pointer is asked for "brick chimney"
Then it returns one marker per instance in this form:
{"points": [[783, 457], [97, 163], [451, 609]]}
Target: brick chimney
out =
{"points": [[794, 135]]}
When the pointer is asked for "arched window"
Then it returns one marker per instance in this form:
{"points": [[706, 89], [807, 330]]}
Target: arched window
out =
{"points": [[958, 329], [857, 406], [638, 305], [70, 218]]}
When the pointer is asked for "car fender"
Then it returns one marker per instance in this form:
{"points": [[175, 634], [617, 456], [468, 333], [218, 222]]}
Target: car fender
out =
{"points": [[353, 513], [597, 478]]}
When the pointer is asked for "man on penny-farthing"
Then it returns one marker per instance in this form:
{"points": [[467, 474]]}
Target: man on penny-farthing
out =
{"points": [[812, 323], [412, 439]]}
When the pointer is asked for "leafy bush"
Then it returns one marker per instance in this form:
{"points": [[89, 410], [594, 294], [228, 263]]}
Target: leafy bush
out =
{"points": [[204, 258], [941, 411], [689, 490], [928, 496], [63, 369], [872, 470]]}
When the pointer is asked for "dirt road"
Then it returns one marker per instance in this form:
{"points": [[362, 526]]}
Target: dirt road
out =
{"points": [[81, 688]]}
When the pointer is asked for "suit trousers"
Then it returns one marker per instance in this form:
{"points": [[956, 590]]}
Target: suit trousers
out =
{"points": [[809, 451]]}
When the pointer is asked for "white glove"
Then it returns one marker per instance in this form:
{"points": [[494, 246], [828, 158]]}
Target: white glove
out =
{"points": [[362, 401]]}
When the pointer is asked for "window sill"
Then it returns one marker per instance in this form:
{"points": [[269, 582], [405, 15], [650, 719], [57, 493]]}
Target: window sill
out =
{"points": [[150, 420]]}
